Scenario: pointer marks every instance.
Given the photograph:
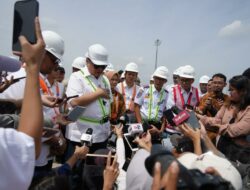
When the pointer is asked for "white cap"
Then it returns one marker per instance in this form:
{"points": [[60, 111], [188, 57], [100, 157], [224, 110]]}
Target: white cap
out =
{"points": [[204, 79], [132, 67], [187, 71], [97, 54], [161, 72], [222, 165], [54, 43], [110, 67], [79, 62]]}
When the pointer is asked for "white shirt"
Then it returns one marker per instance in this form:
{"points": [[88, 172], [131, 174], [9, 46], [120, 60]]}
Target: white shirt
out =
{"points": [[16, 90], [120, 151], [79, 85], [159, 100], [185, 94], [128, 92], [17, 161]]}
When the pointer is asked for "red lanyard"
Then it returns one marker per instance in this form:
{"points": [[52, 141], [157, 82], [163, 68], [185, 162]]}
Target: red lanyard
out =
{"points": [[182, 98], [133, 96]]}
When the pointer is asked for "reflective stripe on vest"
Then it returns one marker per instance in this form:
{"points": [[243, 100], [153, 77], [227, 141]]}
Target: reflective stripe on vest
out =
{"points": [[104, 114], [151, 102]]}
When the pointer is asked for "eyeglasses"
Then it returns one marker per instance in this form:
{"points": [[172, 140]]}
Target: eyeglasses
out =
{"points": [[53, 58], [186, 80]]}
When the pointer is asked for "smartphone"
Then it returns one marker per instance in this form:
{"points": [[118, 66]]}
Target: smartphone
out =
{"points": [[59, 100], [24, 22], [129, 139], [193, 121], [75, 113]]}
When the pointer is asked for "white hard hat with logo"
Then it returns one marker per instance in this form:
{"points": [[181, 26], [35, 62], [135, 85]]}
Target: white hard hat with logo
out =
{"points": [[204, 79], [132, 67], [54, 43], [79, 62], [161, 72], [97, 54], [187, 72]]}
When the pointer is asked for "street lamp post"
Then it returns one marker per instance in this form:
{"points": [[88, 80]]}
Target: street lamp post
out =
{"points": [[157, 44]]}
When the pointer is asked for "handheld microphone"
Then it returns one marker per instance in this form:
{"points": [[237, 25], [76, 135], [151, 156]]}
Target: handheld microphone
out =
{"points": [[86, 138], [181, 117], [135, 129], [175, 116]]}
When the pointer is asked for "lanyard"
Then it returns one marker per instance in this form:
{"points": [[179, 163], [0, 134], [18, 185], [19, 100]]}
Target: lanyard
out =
{"points": [[133, 96], [46, 90], [182, 98], [94, 88], [151, 102]]}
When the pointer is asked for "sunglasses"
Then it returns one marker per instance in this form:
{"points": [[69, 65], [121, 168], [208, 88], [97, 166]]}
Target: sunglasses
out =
{"points": [[53, 58], [100, 66], [186, 80]]}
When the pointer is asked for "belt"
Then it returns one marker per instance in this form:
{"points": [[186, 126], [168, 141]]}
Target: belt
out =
{"points": [[105, 119]]}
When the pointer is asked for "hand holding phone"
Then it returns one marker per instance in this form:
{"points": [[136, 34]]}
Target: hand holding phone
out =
{"points": [[25, 13]]}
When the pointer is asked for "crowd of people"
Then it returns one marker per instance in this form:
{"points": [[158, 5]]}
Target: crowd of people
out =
{"points": [[42, 149]]}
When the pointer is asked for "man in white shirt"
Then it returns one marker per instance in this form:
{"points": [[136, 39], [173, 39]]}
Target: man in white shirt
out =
{"points": [[184, 95], [150, 102], [19, 148], [129, 89], [93, 90]]}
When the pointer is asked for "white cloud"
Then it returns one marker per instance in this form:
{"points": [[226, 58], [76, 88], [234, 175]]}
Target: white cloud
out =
{"points": [[236, 28]]}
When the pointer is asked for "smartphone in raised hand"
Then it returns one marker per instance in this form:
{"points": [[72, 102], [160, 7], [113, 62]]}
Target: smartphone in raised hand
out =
{"points": [[24, 22]]}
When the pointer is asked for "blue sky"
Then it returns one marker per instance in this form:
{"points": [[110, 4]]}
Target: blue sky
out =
{"points": [[211, 35]]}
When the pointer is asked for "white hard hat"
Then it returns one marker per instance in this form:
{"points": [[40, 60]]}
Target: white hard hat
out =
{"points": [[97, 54], [54, 43], [152, 78], [177, 71], [131, 67], [161, 72], [187, 72], [110, 67], [122, 75], [79, 62], [204, 79]]}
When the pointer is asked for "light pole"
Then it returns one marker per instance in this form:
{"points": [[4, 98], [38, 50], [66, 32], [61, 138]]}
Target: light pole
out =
{"points": [[157, 44]]}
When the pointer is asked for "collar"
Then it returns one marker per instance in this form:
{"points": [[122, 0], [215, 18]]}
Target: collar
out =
{"points": [[85, 70], [184, 91], [126, 86], [154, 89]]}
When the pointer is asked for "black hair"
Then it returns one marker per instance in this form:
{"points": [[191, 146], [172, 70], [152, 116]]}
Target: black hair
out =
{"points": [[185, 144], [242, 84], [247, 73], [220, 75], [61, 69]]}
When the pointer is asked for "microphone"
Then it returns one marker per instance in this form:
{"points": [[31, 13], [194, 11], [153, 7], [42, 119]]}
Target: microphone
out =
{"points": [[86, 138], [135, 129], [181, 117], [175, 116]]}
